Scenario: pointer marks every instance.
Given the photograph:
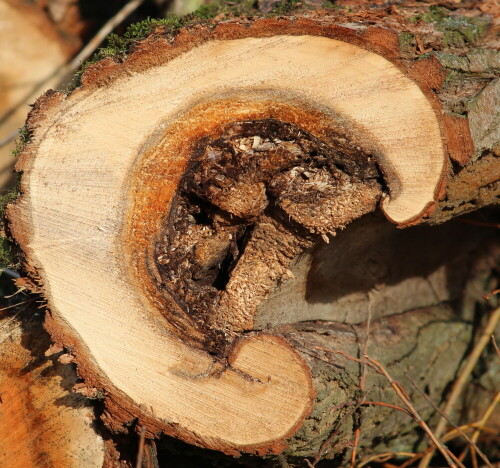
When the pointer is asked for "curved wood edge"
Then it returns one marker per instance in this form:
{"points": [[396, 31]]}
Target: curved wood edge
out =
{"points": [[18, 225], [427, 73], [120, 411]]}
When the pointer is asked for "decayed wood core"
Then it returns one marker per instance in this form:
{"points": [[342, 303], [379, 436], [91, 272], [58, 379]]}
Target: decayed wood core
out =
{"points": [[251, 200]]}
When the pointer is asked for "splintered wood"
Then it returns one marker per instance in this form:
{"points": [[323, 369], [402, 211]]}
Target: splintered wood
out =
{"points": [[251, 201]]}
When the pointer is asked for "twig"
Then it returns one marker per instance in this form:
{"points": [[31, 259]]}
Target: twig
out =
{"points": [[371, 403], [495, 345], [383, 457], [151, 455], [15, 305], [470, 441], [491, 294], [481, 424], [386, 405], [418, 456], [108, 27], [362, 380], [60, 73], [450, 435], [328, 441], [447, 437], [455, 459], [8, 322], [462, 379], [401, 394], [11, 136], [474, 459], [140, 453], [354, 448], [347, 356]]}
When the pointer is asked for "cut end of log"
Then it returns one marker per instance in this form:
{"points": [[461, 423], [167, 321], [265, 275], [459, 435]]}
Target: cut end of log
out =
{"points": [[161, 209]]}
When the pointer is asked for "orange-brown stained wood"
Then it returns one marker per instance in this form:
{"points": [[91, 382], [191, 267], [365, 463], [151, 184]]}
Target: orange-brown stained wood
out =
{"points": [[157, 175], [459, 138], [42, 423]]}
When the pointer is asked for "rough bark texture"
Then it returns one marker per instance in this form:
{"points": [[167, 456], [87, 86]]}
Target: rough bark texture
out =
{"points": [[210, 219], [422, 343]]}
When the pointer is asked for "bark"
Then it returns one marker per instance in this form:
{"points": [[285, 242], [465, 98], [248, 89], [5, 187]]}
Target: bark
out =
{"points": [[440, 338], [175, 209]]}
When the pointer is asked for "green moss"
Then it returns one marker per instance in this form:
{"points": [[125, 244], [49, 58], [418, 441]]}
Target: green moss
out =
{"points": [[407, 43], [207, 11], [457, 30], [7, 257], [285, 6], [118, 46], [21, 141], [6, 198], [435, 14]]}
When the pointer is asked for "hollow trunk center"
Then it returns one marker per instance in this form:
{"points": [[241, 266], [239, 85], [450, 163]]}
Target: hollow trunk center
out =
{"points": [[249, 203]]}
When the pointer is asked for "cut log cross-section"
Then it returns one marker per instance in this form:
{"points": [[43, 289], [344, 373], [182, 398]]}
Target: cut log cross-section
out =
{"points": [[166, 199]]}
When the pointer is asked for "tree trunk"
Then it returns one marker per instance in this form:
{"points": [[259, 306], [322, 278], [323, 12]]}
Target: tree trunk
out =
{"points": [[182, 213]]}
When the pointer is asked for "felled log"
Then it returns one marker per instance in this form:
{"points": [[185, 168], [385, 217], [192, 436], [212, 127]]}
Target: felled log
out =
{"points": [[175, 207], [44, 423]]}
